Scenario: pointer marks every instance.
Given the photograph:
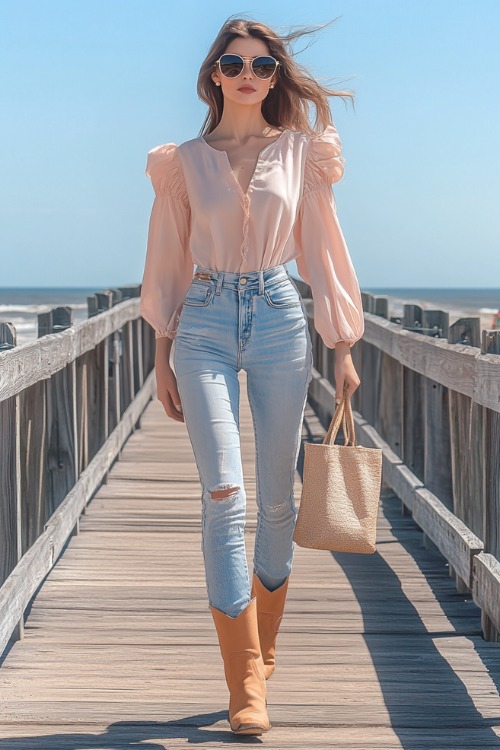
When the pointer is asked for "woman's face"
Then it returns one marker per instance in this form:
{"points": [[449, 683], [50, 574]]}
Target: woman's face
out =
{"points": [[248, 47]]}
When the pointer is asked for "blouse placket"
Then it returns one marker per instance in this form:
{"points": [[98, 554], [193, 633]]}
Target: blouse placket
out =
{"points": [[318, 246]]}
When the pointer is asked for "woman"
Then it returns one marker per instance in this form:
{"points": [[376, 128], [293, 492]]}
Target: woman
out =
{"points": [[248, 195]]}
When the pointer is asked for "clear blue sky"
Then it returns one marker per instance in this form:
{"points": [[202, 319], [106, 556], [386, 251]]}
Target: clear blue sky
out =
{"points": [[87, 88]]}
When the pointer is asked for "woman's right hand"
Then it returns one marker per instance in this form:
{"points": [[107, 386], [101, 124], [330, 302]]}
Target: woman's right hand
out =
{"points": [[166, 382]]}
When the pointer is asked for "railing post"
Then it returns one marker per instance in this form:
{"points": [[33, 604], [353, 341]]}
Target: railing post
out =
{"points": [[19, 629], [490, 486], [117, 355]]}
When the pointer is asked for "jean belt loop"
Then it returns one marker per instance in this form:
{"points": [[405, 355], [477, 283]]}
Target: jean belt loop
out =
{"points": [[220, 277], [261, 281]]}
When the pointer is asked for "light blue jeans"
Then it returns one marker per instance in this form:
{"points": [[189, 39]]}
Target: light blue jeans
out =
{"points": [[256, 321]]}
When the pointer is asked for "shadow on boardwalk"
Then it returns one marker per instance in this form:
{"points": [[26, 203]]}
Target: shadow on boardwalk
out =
{"points": [[424, 679]]}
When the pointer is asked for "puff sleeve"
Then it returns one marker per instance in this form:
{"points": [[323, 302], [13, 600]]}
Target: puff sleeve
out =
{"points": [[324, 261], [169, 265]]}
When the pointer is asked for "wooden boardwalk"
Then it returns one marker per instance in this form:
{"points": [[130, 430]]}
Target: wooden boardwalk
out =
{"points": [[120, 651]]}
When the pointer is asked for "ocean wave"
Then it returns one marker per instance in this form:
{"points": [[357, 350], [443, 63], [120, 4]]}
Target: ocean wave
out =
{"points": [[34, 309]]}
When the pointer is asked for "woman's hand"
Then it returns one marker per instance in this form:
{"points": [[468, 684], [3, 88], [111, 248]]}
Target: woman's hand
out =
{"points": [[344, 371], [166, 382]]}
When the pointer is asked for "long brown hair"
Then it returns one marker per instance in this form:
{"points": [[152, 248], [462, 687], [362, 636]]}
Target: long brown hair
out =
{"points": [[287, 104]]}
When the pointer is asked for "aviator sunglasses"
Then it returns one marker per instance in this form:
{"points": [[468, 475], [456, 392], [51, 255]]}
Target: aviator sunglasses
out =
{"points": [[231, 66]]}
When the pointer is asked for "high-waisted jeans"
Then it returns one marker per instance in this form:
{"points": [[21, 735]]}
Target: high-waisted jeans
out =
{"points": [[256, 321]]}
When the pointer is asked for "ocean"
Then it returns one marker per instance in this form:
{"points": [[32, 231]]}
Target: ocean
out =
{"points": [[20, 306]]}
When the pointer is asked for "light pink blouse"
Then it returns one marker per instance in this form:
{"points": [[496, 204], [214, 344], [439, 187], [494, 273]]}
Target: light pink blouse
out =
{"points": [[201, 215]]}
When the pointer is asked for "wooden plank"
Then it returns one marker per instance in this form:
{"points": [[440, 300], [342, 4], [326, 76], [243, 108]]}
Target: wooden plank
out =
{"points": [[457, 366], [467, 461], [102, 737], [437, 476], [486, 586], [8, 489], [450, 535], [413, 453], [25, 365], [388, 420]]}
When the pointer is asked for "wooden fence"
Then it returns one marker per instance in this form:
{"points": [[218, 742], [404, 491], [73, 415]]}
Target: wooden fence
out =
{"points": [[430, 398], [68, 402]]}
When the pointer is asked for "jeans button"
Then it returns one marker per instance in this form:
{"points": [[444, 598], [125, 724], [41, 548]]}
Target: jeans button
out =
{"points": [[243, 280]]}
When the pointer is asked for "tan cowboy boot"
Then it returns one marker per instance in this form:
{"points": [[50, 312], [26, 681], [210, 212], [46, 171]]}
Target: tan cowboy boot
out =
{"points": [[270, 606], [244, 669]]}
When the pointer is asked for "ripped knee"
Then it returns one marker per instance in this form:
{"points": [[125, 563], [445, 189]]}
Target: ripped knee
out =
{"points": [[275, 508], [223, 491]]}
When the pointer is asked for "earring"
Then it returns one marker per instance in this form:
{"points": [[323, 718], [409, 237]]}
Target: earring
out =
{"points": [[217, 83]]}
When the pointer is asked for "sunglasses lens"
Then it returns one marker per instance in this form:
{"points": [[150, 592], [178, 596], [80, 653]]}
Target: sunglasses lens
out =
{"points": [[231, 65], [264, 67]]}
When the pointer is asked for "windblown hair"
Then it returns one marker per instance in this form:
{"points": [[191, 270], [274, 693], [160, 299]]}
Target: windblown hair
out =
{"points": [[287, 105]]}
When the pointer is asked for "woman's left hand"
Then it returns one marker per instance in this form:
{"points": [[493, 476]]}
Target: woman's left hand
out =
{"points": [[344, 371]]}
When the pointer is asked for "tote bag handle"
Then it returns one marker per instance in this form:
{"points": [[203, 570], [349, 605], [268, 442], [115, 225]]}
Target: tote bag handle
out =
{"points": [[343, 413]]}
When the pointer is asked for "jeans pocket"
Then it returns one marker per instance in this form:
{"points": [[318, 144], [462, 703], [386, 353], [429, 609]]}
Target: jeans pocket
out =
{"points": [[283, 294], [199, 294]]}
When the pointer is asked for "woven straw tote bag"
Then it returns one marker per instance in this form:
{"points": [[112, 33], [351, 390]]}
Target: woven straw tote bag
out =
{"points": [[340, 491]]}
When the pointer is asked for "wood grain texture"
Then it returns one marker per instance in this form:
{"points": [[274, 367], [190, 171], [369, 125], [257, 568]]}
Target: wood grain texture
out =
{"points": [[459, 367], [375, 652], [26, 365]]}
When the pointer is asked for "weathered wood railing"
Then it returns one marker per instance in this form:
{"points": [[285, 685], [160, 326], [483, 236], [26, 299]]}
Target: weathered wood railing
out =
{"points": [[430, 398], [68, 402]]}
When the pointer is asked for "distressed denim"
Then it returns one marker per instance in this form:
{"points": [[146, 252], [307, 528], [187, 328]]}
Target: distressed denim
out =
{"points": [[256, 321]]}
